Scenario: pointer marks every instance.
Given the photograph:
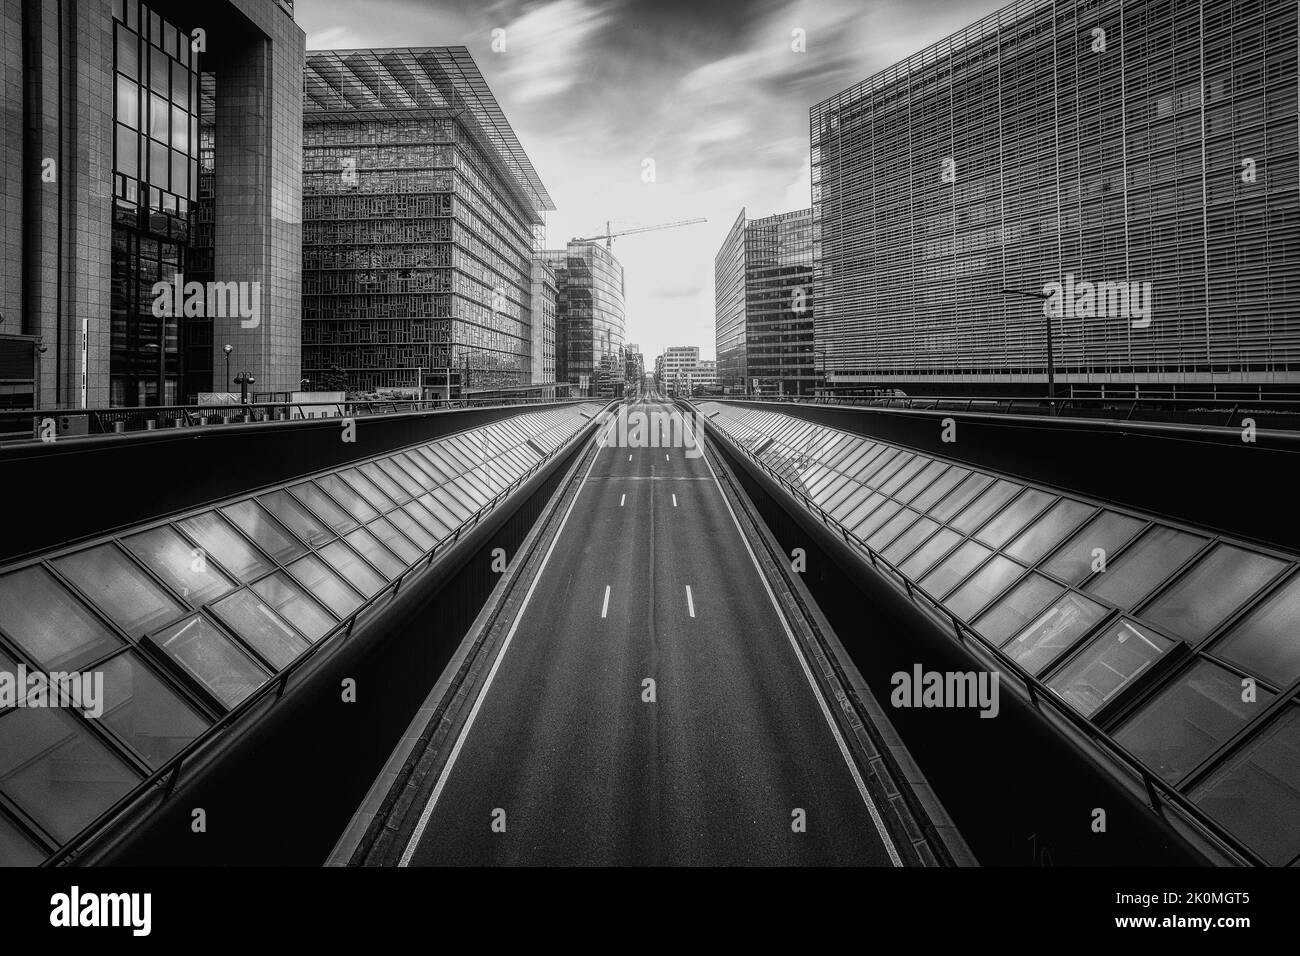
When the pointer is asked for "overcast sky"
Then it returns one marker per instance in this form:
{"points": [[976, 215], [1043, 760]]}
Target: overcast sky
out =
{"points": [[710, 90]]}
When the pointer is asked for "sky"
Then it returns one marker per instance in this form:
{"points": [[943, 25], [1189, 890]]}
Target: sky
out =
{"points": [[712, 92]]}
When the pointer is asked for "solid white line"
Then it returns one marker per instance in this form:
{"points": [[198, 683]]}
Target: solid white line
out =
{"points": [[690, 601], [604, 608], [665, 457], [812, 682], [622, 500], [629, 457], [674, 501], [478, 702]]}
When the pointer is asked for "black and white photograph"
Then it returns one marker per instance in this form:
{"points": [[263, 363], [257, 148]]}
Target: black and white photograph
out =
{"points": [[478, 436]]}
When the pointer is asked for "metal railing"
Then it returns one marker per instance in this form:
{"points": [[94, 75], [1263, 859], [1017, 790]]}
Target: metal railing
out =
{"points": [[169, 773], [25, 425], [1275, 413], [1158, 792]]}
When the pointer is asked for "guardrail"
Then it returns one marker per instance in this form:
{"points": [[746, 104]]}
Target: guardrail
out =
{"points": [[25, 425], [1275, 413], [169, 773], [1038, 692]]}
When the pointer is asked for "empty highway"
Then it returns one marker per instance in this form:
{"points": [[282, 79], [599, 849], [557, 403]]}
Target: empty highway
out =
{"points": [[569, 754]]}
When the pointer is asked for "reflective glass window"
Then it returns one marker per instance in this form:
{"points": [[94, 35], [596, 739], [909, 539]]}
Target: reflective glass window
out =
{"points": [[1267, 640], [921, 560], [960, 496], [145, 712], [950, 572], [324, 507], [399, 477], [982, 587], [368, 489], [1014, 517], [1145, 564], [920, 481], [983, 507], [1013, 612], [16, 847], [1109, 663], [213, 659], [218, 540], [409, 525], [295, 517], [346, 496], [1049, 530], [877, 518], [1217, 585], [295, 605], [325, 585], [179, 563], [927, 497], [385, 484], [119, 588], [891, 529], [906, 542], [57, 771], [441, 513], [1054, 631], [39, 615], [260, 628], [1255, 792], [905, 474], [1189, 719], [267, 533], [379, 556], [353, 569], [1100, 537]]}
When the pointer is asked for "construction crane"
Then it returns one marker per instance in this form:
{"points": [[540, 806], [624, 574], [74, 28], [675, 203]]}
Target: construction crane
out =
{"points": [[609, 235]]}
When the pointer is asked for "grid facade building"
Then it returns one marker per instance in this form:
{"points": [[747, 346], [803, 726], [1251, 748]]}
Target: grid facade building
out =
{"points": [[763, 295], [591, 320], [102, 108], [420, 218], [1141, 155], [543, 322]]}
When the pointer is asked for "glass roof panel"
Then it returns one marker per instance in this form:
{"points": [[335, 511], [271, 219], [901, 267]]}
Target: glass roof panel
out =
{"points": [[1267, 640], [16, 847], [347, 496], [382, 529], [1054, 631], [1189, 719], [979, 590], [1027, 506], [296, 518], [145, 712], [291, 602], [324, 507], [983, 507], [1110, 662], [267, 533], [920, 561], [1102, 536], [219, 540], [1012, 612], [260, 628], [379, 556], [118, 588], [906, 542], [214, 660], [926, 499], [953, 569], [921, 480], [178, 563], [353, 569], [960, 496], [39, 615], [326, 586], [1217, 585], [1142, 566], [1045, 533]]}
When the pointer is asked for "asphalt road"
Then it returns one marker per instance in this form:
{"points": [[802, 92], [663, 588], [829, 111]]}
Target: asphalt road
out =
{"points": [[564, 761]]}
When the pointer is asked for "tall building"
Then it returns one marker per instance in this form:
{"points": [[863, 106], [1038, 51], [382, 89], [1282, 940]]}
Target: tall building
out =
{"points": [[421, 217], [101, 106], [544, 296], [763, 304], [589, 313], [1136, 162], [679, 364], [633, 367]]}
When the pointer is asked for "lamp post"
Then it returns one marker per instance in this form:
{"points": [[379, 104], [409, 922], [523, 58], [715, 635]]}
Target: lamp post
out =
{"points": [[227, 349], [243, 380], [1051, 358]]}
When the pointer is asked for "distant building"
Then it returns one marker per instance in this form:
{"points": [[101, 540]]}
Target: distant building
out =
{"points": [[763, 305], [101, 107], [543, 322], [633, 367], [590, 316], [1135, 161], [420, 215]]}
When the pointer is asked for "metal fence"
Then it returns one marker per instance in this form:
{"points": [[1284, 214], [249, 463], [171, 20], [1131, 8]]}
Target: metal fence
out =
{"points": [[16, 425]]}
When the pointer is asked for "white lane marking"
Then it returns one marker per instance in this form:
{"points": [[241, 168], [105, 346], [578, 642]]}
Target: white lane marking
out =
{"points": [[690, 601], [674, 501], [622, 500], [807, 672], [629, 457], [665, 457], [604, 608], [427, 812]]}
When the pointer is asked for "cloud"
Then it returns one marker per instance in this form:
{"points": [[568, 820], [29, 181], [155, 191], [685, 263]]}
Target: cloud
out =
{"points": [[547, 48]]}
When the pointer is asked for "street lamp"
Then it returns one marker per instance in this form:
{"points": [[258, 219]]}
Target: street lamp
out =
{"points": [[243, 380], [1051, 359], [227, 349]]}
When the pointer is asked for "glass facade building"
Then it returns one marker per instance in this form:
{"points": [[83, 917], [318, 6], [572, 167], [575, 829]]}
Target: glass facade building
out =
{"points": [[590, 314], [1141, 155], [544, 294], [1180, 647], [763, 295], [420, 211]]}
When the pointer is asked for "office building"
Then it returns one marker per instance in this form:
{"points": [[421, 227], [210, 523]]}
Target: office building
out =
{"points": [[421, 218], [1136, 162], [100, 111], [542, 327], [590, 316], [763, 305]]}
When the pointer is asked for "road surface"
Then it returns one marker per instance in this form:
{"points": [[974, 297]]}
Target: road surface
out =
{"points": [[565, 759]]}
